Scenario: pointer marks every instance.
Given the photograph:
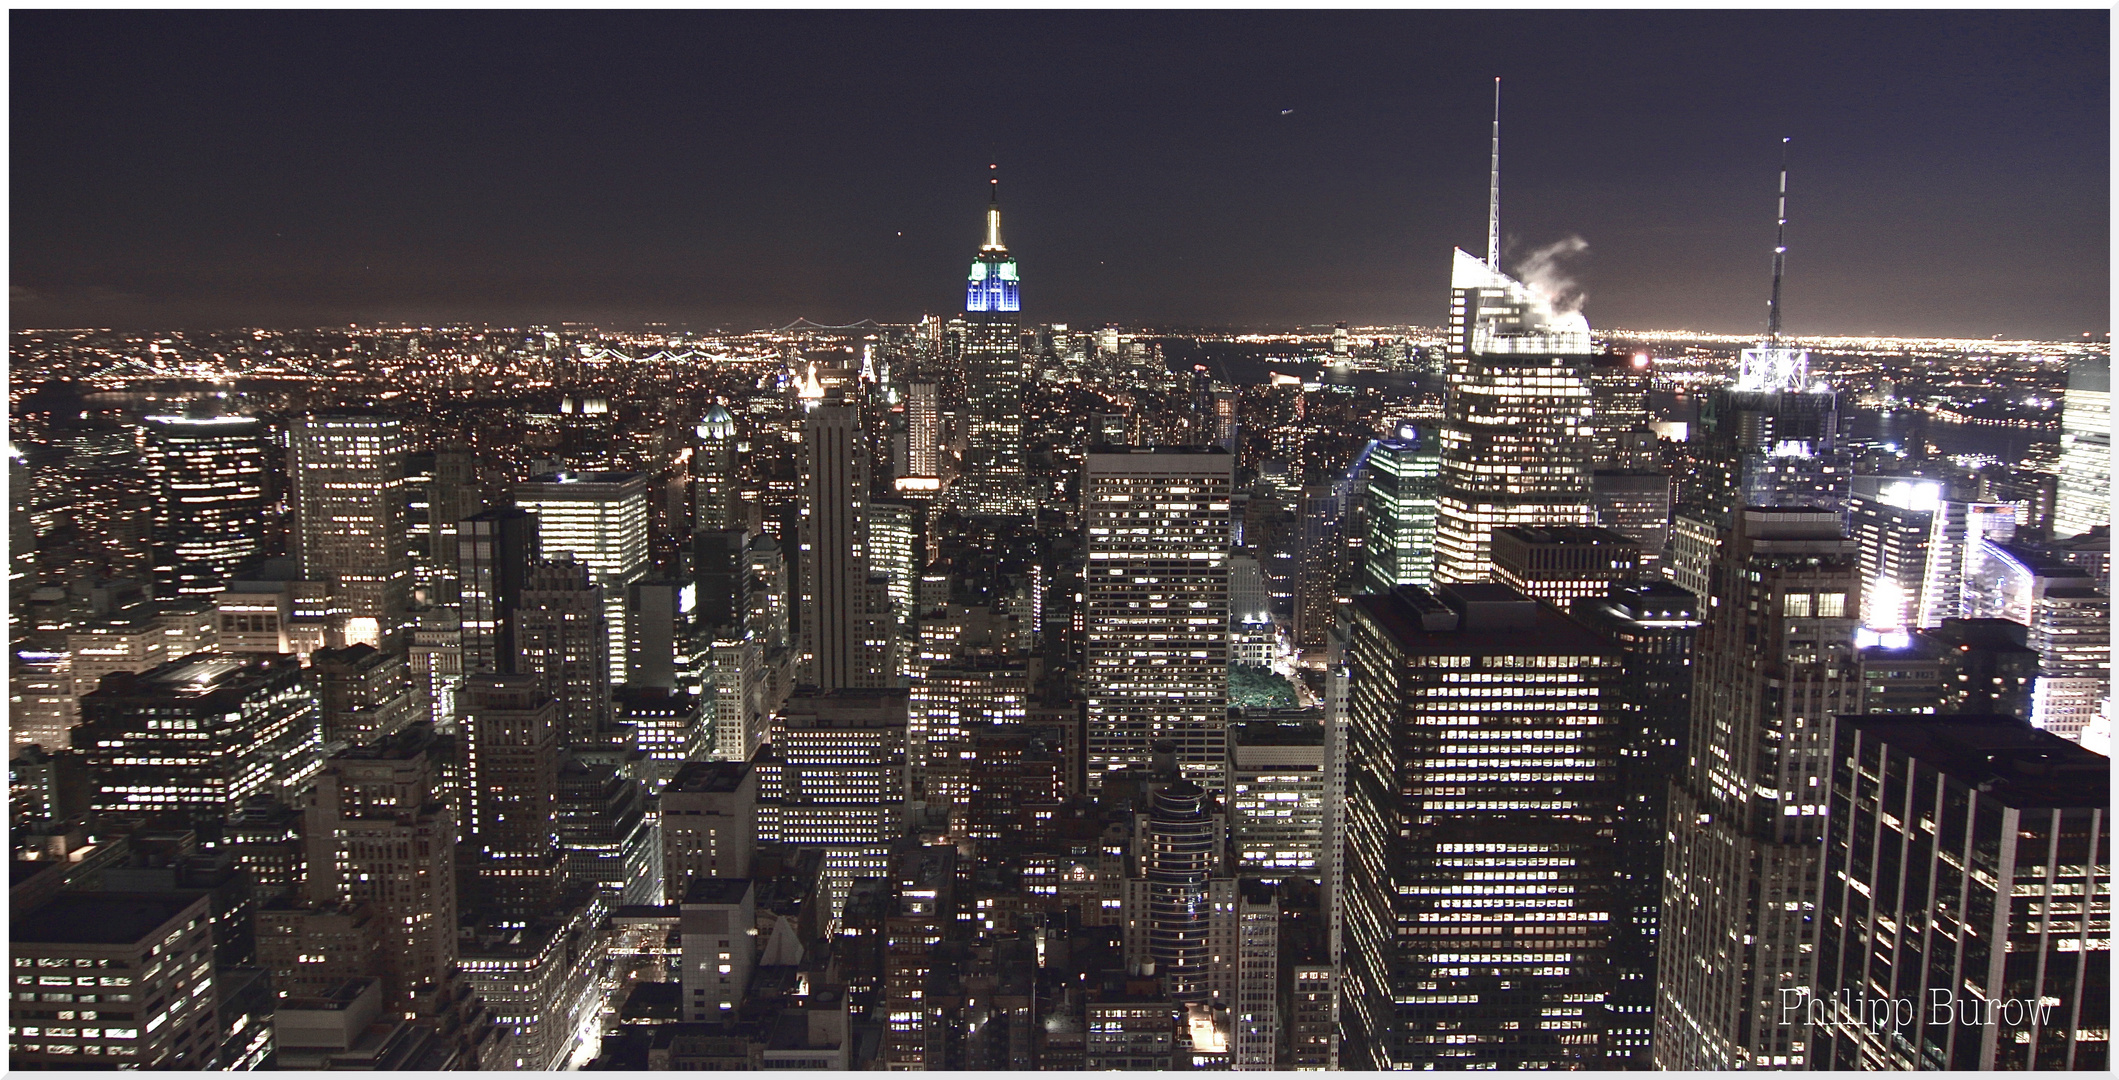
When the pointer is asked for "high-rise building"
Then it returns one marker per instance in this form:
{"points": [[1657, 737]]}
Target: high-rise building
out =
{"points": [[2071, 630], [893, 552], [1278, 787], [1771, 438], [137, 968], [714, 501], [923, 441], [1156, 594], [1991, 669], [452, 494], [606, 823], [199, 735], [560, 638], [1966, 886], [1482, 795], [716, 923], [494, 551], [2085, 495], [380, 834], [363, 693], [835, 778], [993, 480], [845, 643], [512, 777], [666, 726], [1518, 429], [1180, 848], [1652, 624], [348, 474], [1323, 557], [947, 699], [1398, 500], [1256, 1019], [1563, 563], [663, 648], [602, 519], [1916, 546], [209, 511], [1773, 664], [709, 824]]}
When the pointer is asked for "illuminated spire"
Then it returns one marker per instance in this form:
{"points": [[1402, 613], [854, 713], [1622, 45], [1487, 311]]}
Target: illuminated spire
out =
{"points": [[1780, 255], [993, 285], [1493, 191], [993, 216]]}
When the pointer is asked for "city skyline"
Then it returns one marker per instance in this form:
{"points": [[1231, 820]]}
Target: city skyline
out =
{"points": [[999, 690], [1201, 170]]}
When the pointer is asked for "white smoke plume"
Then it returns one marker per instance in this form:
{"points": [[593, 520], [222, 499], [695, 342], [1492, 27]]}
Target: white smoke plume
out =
{"points": [[1545, 272]]}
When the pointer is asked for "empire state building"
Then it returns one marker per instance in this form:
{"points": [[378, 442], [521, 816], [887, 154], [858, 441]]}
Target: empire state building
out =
{"points": [[993, 481]]}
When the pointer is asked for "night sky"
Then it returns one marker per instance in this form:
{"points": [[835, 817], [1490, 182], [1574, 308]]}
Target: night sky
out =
{"points": [[1951, 170]]}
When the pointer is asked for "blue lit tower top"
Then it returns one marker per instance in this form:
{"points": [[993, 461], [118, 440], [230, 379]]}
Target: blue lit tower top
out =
{"points": [[994, 286]]}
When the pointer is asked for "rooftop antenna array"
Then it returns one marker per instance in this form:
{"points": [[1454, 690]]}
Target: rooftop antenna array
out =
{"points": [[1780, 254], [1493, 192]]}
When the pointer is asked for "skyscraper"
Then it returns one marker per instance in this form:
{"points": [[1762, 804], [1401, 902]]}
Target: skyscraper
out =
{"points": [[602, 519], [494, 551], [1518, 424], [1180, 853], [451, 496], [1652, 624], [836, 779], [1563, 563], [923, 440], [198, 735], [845, 613], [560, 638], [513, 780], [1156, 593], [2085, 499], [209, 515], [162, 942], [993, 481], [1774, 663], [1398, 498], [1279, 783], [1967, 874], [714, 504], [348, 472], [1916, 547], [1482, 789], [380, 833], [1770, 438]]}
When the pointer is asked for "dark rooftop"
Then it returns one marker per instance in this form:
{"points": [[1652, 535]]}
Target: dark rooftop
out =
{"points": [[1398, 614], [1565, 534], [709, 777], [706, 890], [100, 918], [1276, 733], [2005, 758]]}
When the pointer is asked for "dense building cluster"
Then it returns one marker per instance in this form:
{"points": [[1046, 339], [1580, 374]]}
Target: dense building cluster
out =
{"points": [[972, 694]]}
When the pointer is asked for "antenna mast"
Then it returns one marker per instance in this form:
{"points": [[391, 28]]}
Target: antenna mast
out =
{"points": [[1493, 194], [1780, 256]]}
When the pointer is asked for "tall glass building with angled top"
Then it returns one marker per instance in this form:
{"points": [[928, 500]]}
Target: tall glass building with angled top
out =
{"points": [[1518, 419], [993, 481]]}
